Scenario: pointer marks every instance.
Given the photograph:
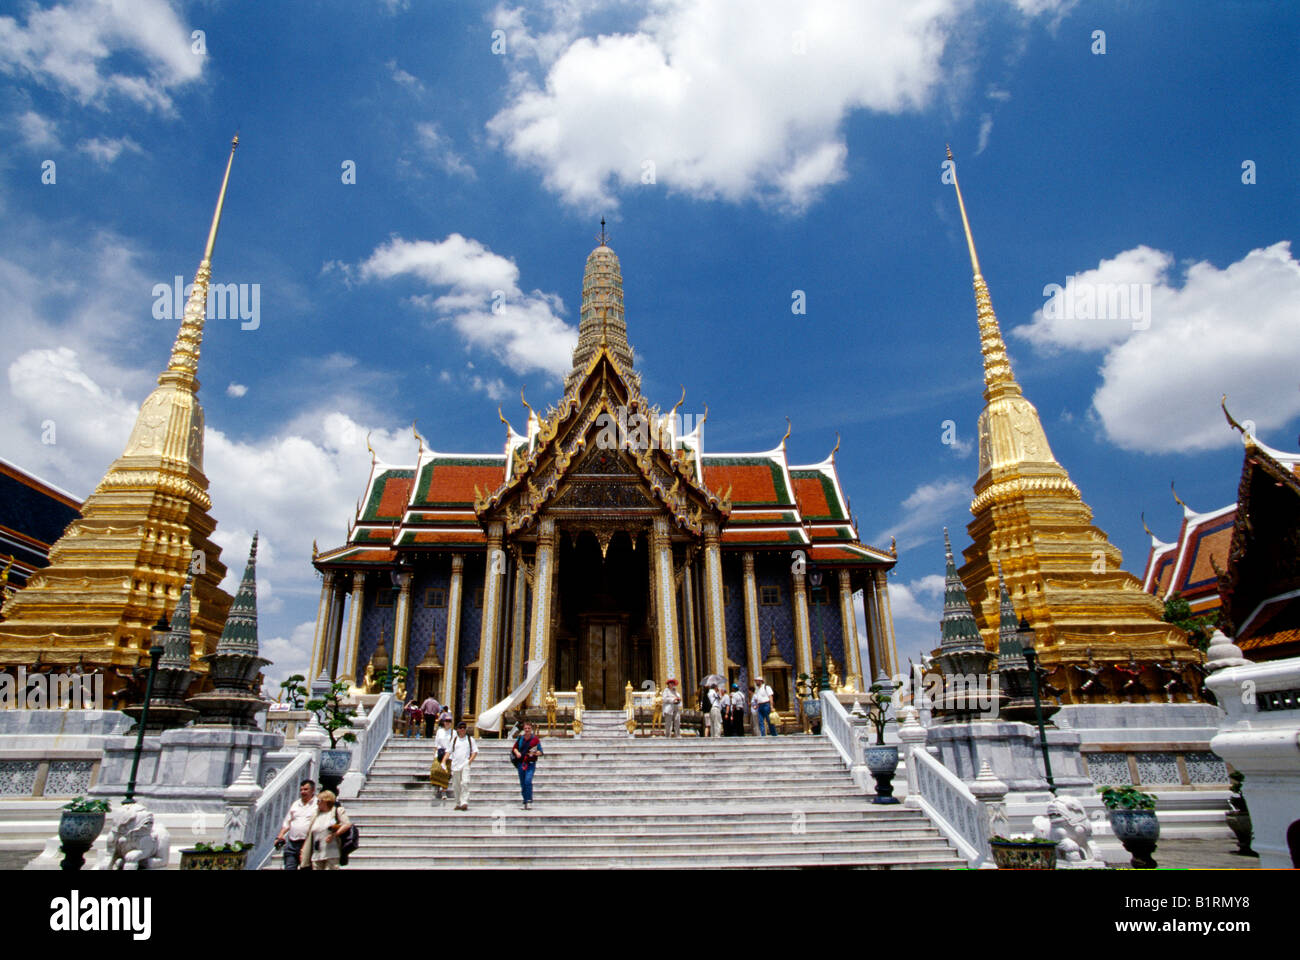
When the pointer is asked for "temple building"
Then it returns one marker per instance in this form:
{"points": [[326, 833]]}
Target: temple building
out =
{"points": [[1259, 581], [1186, 566], [146, 527], [606, 540], [33, 515], [1062, 573]]}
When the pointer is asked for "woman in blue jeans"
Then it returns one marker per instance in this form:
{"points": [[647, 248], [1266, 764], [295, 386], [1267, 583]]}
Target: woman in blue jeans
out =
{"points": [[524, 756]]}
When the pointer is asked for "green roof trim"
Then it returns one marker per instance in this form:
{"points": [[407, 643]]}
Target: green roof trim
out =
{"points": [[828, 491]]}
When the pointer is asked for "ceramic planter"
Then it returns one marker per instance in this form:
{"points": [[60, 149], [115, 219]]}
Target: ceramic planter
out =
{"points": [[333, 765], [882, 761], [1138, 830], [1023, 855], [214, 860], [77, 834]]}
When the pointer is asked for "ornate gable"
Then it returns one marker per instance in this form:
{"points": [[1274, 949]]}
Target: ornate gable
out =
{"points": [[599, 451]]}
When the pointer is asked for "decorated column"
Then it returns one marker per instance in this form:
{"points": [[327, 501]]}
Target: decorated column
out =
{"points": [[402, 628], [493, 579], [715, 624], [888, 656], [871, 610], [752, 640], [451, 655], [802, 638], [667, 659], [518, 623], [320, 643], [351, 646], [540, 644], [849, 622], [688, 680]]}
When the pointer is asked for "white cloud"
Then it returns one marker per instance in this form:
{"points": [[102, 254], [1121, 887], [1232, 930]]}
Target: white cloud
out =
{"points": [[483, 300], [37, 132], [401, 77], [986, 129], [437, 149], [1233, 331], [236, 390], [924, 512], [717, 96], [81, 48], [105, 150]]}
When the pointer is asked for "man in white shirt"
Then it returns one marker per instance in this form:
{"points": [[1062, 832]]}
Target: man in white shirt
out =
{"points": [[293, 832], [460, 754], [715, 712], [763, 700], [672, 709], [441, 741]]}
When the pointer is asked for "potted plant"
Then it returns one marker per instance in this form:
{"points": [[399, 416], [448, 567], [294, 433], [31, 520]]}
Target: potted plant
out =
{"points": [[333, 716], [223, 856], [1239, 816], [1132, 816], [882, 758], [80, 824], [1023, 852]]}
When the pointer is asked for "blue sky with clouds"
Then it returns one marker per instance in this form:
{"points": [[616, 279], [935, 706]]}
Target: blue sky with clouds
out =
{"points": [[741, 152]]}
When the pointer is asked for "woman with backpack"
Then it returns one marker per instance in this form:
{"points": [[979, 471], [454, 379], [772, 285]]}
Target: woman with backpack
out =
{"points": [[324, 833], [524, 756]]}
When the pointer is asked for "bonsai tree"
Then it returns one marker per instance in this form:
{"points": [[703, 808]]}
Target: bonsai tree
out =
{"points": [[1126, 798], [333, 715], [1198, 629], [878, 712], [294, 691]]}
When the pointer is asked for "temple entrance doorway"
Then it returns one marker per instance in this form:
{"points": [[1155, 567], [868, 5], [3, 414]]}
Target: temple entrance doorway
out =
{"points": [[602, 635]]}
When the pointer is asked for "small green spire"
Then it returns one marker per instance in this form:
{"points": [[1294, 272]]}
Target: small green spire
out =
{"points": [[958, 629], [240, 632], [176, 645]]}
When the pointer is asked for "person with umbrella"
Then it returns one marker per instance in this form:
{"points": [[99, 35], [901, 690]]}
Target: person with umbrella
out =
{"points": [[712, 701]]}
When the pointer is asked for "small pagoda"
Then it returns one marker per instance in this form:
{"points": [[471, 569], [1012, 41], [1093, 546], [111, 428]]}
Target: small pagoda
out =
{"points": [[969, 677]]}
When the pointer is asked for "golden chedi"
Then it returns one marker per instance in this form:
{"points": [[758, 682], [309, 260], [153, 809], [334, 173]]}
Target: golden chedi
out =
{"points": [[144, 529], [1062, 573]]}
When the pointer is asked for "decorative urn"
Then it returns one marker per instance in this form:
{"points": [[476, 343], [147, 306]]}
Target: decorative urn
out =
{"points": [[882, 761], [78, 831], [334, 764]]}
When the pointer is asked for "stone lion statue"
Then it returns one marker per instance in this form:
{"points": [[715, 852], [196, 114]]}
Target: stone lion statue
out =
{"points": [[1067, 823], [136, 842]]}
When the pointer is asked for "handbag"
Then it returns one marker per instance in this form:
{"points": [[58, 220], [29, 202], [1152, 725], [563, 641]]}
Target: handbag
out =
{"points": [[439, 776]]}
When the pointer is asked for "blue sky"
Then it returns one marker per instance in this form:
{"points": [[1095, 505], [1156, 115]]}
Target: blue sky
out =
{"points": [[793, 147]]}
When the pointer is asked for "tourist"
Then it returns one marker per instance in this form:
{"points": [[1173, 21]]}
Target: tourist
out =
{"points": [[672, 699], [763, 703], [753, 713], [715, 712], [430, 708], [414, 718], [324, 832], [737, 711], [460, 754], [441, 741], [524, 756], [293, 832]]}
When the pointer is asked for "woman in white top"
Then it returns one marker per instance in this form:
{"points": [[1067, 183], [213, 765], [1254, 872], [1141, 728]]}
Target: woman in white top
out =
{"points": [[323, 834], [441, 741]]}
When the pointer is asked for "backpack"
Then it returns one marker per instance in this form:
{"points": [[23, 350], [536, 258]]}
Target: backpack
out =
{"points": [[349, 842], [518, 760]]}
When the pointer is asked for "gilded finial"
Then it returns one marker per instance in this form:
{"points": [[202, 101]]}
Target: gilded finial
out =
{"points": [[183, 365], [531, 414], [373, 455], [4, 575], [1223, 403], [1143, 515], [788, 428], [1177, 499], [700, 422], [315, 551], [679, 402], [893, 546], [604, 237], [420, 440], [505, 421], [998, 378], [835, 448]]}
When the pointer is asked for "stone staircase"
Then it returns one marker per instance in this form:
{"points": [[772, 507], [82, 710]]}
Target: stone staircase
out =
{"points": [[606, 800]]}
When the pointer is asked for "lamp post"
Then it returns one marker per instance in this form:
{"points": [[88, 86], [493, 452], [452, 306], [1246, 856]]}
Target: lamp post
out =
{"points": [[815, 581], [159, 630], [1031, 661]]}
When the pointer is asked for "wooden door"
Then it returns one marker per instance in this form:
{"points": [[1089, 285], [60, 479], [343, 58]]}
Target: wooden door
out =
{"points": [[605, 681]]}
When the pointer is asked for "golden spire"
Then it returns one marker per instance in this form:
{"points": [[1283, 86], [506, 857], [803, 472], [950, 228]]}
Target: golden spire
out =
{"points": [[998, 379], [184, 363]]}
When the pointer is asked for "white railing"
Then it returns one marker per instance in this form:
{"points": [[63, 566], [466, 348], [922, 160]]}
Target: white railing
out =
{"points": [[379, 728], [960, 816], [838, 728], [268, 812]]}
